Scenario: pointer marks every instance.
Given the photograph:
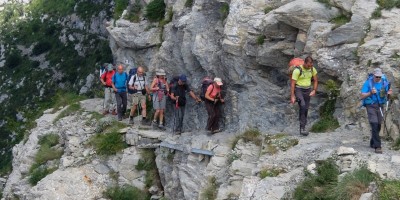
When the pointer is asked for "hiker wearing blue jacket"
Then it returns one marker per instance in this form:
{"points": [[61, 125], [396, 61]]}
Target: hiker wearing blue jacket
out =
{"points": [[119, 81], [374, 94]]}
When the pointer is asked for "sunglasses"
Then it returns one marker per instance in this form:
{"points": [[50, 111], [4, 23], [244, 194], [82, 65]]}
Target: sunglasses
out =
{"points": [[378, 77]]}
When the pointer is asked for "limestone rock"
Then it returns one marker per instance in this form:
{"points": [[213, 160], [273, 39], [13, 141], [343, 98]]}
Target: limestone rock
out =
{"points": [[366, 196], [342, 151]]}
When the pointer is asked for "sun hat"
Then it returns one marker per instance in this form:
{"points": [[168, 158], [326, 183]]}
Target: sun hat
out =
{"points": [[218, 81]]}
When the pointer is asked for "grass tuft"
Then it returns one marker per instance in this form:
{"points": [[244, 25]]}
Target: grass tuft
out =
{"points": [[47, 153], [340, 20], [251, 135], [49, 140], [210, 192], [377, 13], [271, 172], [260, 39], [134, 12], [327, 3], [120, 6], [389, 189], [39, 173], [148, 163], [108, 143], [126, 192], [388, 4], [72, 109], [274, 143], [396, 144], [268, 9]]}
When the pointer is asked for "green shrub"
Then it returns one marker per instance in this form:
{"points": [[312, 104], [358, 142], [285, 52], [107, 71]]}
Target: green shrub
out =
{"points": [[49, 140], [389, 190], [189, 3], [13, 59], [126, 192], [325, 124], [251, 135], [119, 8], [377, 13], [41, 47], [54, 7], [155, 10], [388, 4], [39, 173], [327, 3], [134, 12], [168, 18], [396, 145], [271, 172], [318, 186], [47, 153], [210, 192], [261, 39], [340, 20], [224, 10], [354, 184], [268, 9], [108, 143]]}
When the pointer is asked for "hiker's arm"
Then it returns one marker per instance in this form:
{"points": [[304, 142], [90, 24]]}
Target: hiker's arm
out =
{"points": [[197, 99], [315, 87], [102, 79], [207, 95], [292, 96], [114, 88], [365, 95], [152, 86]]}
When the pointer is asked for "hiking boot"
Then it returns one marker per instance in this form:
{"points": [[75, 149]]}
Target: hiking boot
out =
{"points": [[378, 150], [131, 120], [113, 112], [303, 132], [106, 112], [161, 126], [216, 131], [119, 118], [154, 123]]}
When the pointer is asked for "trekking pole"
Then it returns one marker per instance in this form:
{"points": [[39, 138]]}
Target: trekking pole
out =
{"points": [[383, 116], [175, 111]]}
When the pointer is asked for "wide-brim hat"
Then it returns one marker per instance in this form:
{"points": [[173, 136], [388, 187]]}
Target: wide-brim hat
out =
{"points": [[160, 72], [110, 67]]}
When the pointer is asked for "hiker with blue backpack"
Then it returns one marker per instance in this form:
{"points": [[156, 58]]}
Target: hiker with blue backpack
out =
{"points": [[178, 96], [160, 89], [119, 82], [374, 94], [109, 97], [138, 86]]}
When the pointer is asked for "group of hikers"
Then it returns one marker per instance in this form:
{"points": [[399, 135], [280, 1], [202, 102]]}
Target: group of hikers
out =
{"points": [[303, 85], [375, 93], [119, 88]]}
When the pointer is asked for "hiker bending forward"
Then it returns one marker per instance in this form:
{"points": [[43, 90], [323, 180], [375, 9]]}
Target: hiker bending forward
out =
{"points": [[109, 97], [302, 90], [213, 105], [160, 90], [178, 94], [119, 81], [374, 94]]}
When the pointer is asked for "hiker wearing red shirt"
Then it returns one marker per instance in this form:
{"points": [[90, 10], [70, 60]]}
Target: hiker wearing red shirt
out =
{"points": [[109, 97]]}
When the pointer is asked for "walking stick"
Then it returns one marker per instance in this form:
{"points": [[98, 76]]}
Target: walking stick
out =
{"points": [[175, 111]]}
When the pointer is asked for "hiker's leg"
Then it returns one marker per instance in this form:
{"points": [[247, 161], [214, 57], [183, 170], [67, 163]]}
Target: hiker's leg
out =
{"points": [[161, 117], [302, 107], [376, 140], [180, 114], [118, 97], [142, 100], [373, 118], [107, 99], [124, 102], [209, 108], [217, 117], [163, 103], [307, 98], [134, 104]]}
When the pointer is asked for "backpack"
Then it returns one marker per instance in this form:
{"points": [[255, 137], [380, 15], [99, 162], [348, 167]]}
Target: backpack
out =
{"points": [[132, 72], [385, 85], [207, 81], [172, 84], [295, 64], [103, 70]]}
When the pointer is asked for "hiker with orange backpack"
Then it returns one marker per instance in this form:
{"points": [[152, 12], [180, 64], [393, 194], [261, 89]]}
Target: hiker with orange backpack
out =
{"points": [[178, 95], [109, 97], [302, 89], [213, 103], [160, 89]]}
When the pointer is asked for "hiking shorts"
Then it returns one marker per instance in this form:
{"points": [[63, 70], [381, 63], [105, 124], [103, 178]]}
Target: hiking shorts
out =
{"points": [[159, 102], [138, 98]]}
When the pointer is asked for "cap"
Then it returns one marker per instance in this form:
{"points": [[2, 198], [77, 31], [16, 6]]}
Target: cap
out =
{"points": [[109, 67], [218, 81], [377, 72], [183, 78], [160, 72]]}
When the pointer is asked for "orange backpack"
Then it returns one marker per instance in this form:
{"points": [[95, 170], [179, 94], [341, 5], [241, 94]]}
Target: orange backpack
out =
{"points": [[295, 64]]}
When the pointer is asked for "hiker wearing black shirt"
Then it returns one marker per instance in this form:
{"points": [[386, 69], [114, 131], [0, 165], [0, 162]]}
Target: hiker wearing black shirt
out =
{"points": [[178, 95]]}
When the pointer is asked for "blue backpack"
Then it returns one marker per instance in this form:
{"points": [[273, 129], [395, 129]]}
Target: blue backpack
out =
{"points": [[385, 86], [132, 72]]}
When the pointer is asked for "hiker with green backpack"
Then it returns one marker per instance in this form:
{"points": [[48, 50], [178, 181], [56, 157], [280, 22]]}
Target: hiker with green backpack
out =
{"points": [[374, 94], [302, 89], [178, 96]]}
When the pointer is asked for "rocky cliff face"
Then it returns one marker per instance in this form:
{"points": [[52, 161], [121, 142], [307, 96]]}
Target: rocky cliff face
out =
{"points": [[250, 46]]}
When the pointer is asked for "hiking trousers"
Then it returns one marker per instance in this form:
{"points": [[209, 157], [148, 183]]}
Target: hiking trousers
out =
{"points": [[121, 98], [109, 99], [303, 98], [375, 120], [179, 114], [213, 111]]}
